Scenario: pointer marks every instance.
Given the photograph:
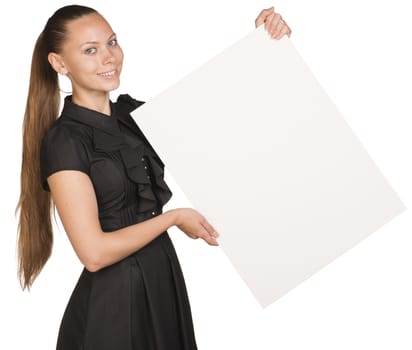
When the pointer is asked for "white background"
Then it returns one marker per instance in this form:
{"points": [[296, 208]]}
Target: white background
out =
{"points": [[358, 50]]}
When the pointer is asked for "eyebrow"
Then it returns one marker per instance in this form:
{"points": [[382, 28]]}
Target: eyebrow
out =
{"points": [[96, 42]]}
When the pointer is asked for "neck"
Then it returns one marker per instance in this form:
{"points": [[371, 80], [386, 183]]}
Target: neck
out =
{"points": [[99, 103]]}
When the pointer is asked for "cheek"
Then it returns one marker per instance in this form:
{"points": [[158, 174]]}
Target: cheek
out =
{"points": [[83, 66], [119, 55]]}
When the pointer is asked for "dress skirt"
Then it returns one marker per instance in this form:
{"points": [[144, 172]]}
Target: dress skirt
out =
{"points": [[138, 303]]}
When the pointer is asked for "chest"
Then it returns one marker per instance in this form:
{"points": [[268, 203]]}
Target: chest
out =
{"points": [[120, 169]]}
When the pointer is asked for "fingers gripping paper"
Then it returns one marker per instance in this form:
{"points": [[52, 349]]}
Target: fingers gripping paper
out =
{"points": [[257, 147]]}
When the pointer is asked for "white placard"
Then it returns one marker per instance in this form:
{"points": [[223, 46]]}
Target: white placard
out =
{"points": [[258, 147]]}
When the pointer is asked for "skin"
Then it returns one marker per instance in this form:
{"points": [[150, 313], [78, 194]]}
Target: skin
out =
{"points": [[90, 51], [275, 25]]}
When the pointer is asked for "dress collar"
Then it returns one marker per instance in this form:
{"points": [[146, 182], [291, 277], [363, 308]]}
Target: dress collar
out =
{"points": [[120, 112], [91, 117]]}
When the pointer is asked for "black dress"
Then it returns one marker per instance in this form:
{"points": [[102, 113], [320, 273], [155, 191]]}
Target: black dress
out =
{"points": [[140, 302]]}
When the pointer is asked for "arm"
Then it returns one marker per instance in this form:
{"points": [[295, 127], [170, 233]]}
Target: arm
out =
{"points": [[76, 203]]}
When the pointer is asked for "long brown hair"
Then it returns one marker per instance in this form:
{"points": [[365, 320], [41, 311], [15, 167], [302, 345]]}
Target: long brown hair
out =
{"points": [[35, 233]]}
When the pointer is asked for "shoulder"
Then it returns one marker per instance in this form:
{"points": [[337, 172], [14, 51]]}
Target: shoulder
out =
{"points": [[64, 130], [66, 139], [64, 147]]}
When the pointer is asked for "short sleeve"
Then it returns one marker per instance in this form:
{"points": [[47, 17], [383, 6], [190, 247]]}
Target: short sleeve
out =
{"points": [[61, 150]]}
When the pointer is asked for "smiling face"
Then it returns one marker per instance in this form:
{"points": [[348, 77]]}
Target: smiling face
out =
{"points": [[90, 57]]}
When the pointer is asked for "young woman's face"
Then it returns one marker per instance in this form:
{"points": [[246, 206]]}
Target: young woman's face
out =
{"points": [[91, 55]]}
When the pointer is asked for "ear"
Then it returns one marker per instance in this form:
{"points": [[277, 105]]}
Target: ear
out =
{"points": [[57, 63]]}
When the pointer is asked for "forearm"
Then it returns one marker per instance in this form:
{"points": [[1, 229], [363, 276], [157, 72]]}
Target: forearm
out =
{"points": [[75, 199], [116, 245]]}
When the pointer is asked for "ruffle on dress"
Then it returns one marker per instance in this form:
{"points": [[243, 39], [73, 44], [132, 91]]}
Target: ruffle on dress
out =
{"points": [[143, 166]]}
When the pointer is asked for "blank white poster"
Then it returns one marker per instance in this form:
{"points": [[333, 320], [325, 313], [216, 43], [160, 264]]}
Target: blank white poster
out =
{"points": [[258, 147]]}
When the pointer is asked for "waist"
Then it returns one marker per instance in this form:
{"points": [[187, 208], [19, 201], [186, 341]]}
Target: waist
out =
{"points": [[126, 216]]}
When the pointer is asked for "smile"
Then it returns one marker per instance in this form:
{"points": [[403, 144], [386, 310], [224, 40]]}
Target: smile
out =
{"points": [[108, 74]]}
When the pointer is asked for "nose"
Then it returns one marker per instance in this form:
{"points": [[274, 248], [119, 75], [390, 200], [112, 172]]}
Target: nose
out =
{"points": [[108, 56]]}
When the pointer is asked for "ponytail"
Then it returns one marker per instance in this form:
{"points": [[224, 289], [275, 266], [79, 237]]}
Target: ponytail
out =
{"points": [[35, 234]]}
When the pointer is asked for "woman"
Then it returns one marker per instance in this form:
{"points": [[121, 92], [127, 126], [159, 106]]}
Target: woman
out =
{"points": [[107, 184]]}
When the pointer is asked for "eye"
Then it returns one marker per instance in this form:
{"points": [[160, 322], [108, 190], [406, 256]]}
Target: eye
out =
{"points": [[90, 51], [113, 42]]}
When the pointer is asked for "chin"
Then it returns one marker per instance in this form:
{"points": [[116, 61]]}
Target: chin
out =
{"points": [[111, 87]]}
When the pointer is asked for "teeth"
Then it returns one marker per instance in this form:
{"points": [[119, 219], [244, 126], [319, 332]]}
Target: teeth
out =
{"points": [[107, 74]]}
